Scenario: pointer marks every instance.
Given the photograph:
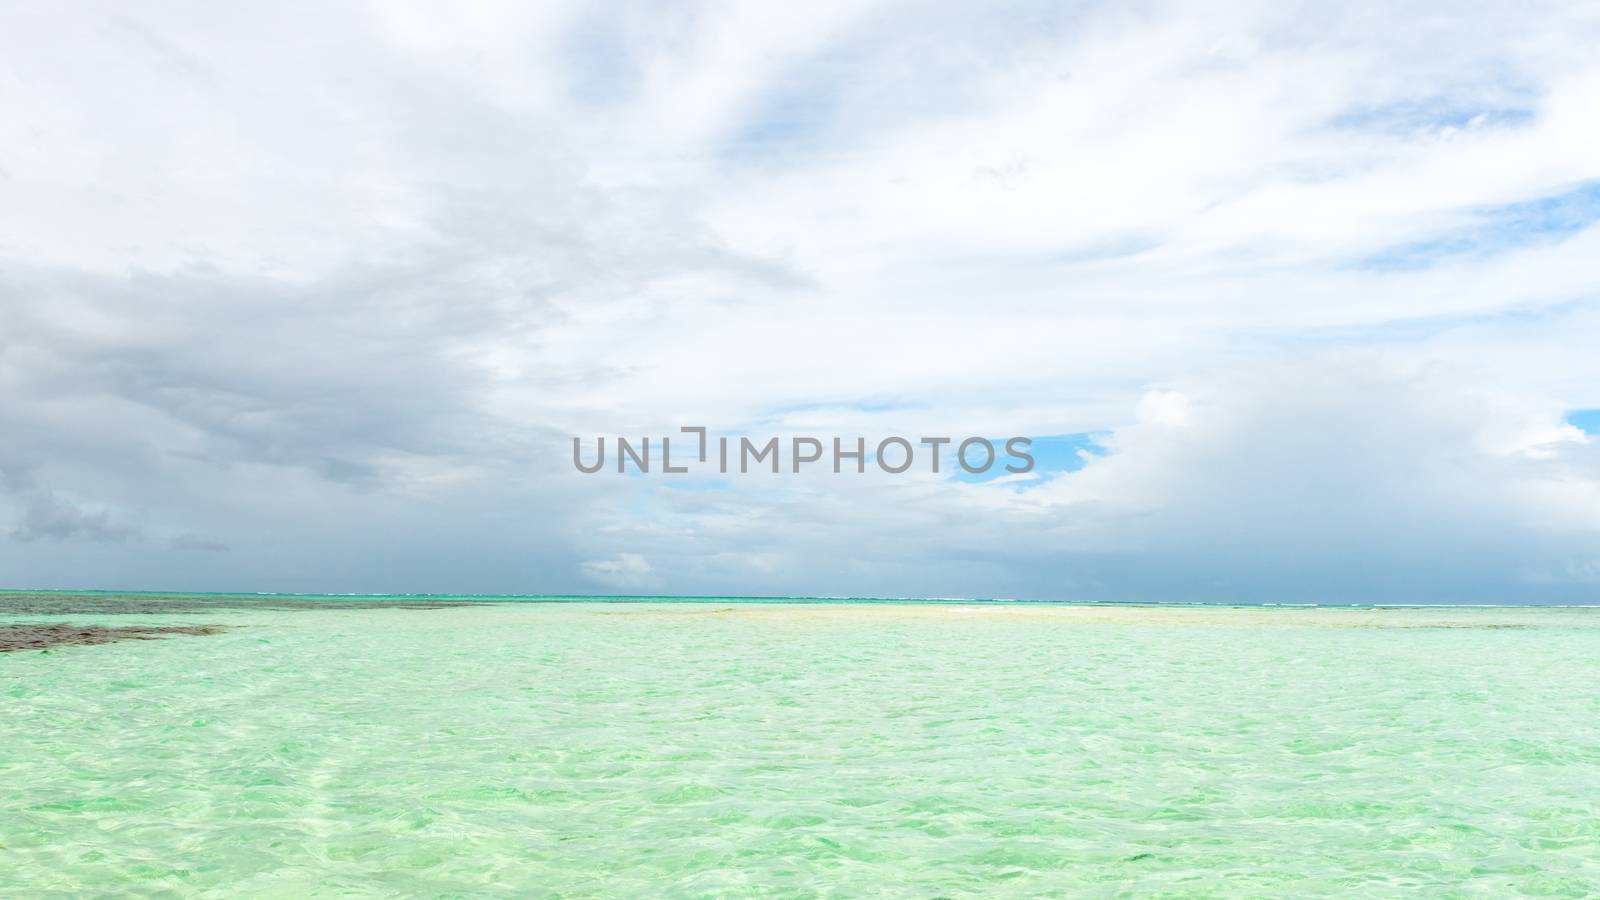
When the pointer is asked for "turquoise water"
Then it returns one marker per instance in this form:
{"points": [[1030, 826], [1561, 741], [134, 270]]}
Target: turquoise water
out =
{"points": [[342, 748]]}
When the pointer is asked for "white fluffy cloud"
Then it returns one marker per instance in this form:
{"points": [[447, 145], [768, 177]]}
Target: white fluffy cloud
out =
{"points": [[1340, 478], [312, 297]]}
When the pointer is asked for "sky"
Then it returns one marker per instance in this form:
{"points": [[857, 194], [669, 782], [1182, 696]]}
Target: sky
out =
{"points": [[1300, 301]]}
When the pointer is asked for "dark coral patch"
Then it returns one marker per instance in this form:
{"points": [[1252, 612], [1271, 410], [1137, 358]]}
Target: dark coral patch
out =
{"points": [[44, 636]]}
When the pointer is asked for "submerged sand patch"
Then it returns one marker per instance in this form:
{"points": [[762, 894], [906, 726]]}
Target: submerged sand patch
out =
{"points": [[39, 636], [1130, 614]]}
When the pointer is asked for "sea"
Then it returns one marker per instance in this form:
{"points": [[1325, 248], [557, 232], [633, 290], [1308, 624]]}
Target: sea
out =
{"points": [[300, 746]]}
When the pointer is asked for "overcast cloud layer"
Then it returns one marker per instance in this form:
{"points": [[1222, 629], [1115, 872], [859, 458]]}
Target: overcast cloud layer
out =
{"points": [[314, 297]]}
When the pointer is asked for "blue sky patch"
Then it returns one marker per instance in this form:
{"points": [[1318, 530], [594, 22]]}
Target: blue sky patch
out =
{"points": [[1052, 454], [1432, 114], [1588, 420], [1497, 229]]}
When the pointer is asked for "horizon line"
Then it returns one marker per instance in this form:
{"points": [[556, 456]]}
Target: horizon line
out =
{"points": [[793, 598]]}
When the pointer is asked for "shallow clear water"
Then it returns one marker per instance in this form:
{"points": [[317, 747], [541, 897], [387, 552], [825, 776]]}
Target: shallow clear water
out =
{"points": [[883, 750]]}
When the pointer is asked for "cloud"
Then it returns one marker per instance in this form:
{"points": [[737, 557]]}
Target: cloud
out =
{"points": [[625, 570], [1339, 479], [42, 514], [339, 302], [1344, 477]]}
